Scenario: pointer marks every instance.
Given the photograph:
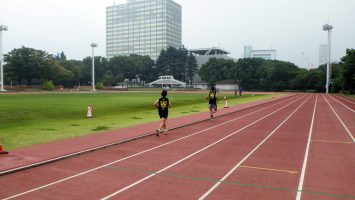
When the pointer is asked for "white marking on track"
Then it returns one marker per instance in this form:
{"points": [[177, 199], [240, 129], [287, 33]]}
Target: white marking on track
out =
{"points": [[346, 99], [248, 155], [341, 121], [342, 104], [304, 165], [139, 153], [191, 155]]}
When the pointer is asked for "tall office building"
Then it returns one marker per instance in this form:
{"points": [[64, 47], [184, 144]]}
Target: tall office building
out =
{"points": [[142, 27]]}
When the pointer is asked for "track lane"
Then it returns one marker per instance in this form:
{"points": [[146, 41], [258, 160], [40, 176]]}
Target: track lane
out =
{"points": [[331, 159], [350, 107], [207, 165], [346, 99], [277, 163], [119, 152], [345, 115]]}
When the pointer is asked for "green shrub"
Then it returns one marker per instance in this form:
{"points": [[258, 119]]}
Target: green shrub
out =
{"points": [[48, 85], [99, 85]]}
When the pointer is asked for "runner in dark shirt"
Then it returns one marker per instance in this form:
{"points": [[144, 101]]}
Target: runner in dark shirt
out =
{"points": [[212, 101], [163, 105]]}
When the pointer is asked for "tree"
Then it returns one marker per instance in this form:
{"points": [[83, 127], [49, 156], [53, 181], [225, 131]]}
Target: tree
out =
{"points": [[215, 70], [28, 64], [60, 56], [299, 82], [176, 62], [61, 75], [337, 79], [191, 67], [348, 61], [100, 68], [249, 73], [281, 74], [315, 80], [144, 67], [129, 67], [74, 66]]}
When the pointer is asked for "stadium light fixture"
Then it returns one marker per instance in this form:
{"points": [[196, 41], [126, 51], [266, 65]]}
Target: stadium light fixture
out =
{"points": [[2, 82], [93, 45], [328, 28]]}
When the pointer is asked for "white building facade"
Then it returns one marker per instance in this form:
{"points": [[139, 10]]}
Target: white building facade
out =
{"points": [[142, 27], [167, 82], [249, 52]]}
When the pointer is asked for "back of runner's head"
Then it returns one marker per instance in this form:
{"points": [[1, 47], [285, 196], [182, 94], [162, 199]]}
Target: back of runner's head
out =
{"points": [[213, 88], [164, 93]]}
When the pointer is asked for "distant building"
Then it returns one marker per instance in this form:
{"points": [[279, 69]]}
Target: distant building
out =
{"points": [[167, 82], [265, 54], [202, 57], [142, 27], [228, 84], [323, 54], [247, 51]]}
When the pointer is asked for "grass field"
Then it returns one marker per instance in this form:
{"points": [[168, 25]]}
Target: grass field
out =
{"points": [[28, 119]]}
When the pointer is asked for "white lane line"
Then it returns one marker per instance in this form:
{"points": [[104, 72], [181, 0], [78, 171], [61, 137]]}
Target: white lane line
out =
{"points": [[341, 121], [342, 104], [346, 99], [248, 155], [304, 165], [189, 156], [139, 153]]}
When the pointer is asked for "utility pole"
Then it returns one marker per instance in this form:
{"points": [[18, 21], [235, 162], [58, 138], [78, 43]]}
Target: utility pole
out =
{"points": [[328, 28]]}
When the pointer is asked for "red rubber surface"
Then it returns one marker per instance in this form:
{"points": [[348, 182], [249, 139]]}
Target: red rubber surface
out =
{"points": [[197, 161]]}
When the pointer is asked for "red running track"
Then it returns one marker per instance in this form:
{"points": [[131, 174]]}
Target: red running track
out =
{"points": [[300, 147]]}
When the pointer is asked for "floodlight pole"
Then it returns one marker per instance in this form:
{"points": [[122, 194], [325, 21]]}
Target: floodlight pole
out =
{"points": [[2, 82], [93, 45], [328, 28]]}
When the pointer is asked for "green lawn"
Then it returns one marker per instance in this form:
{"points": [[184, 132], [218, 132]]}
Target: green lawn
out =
{"points": [[28, 119]]}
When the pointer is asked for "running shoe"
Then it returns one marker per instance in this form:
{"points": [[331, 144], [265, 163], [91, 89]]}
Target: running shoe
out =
{"points": [[157, 132], [165, 131]]}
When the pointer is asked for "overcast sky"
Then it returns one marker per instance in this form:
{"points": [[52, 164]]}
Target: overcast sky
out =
{"points": [[288, 26]]}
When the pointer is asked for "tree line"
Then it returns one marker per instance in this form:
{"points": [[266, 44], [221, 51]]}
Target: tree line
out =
{"points": [[273, 75], [28, 66]]}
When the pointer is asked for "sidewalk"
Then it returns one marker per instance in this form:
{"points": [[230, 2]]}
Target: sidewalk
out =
{"points": [[39, 153]]}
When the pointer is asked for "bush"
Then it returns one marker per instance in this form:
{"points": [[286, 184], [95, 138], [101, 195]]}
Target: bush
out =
{"points": [[48, 85], [99, 85]]}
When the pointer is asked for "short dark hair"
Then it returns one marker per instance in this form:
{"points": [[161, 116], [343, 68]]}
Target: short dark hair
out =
{"points": [[213, 88], [164, 93]]}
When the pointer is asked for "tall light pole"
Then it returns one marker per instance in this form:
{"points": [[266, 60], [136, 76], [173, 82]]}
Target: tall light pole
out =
{"points": [[93, 45], [328, 28], [2, 82]]}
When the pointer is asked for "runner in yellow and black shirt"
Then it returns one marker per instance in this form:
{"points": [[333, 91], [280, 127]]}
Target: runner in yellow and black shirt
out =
{"points": [[163, 105], [212, 101]]}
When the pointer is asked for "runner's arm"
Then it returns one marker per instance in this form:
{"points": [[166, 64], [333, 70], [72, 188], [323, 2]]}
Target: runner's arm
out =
{"points": [[156, 103]]}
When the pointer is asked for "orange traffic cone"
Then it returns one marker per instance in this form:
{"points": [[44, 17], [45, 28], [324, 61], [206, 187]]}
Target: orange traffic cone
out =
{"points": [[225, 102], [2, 151]]}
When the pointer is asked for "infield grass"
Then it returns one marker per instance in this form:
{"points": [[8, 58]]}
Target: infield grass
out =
{"points": [[28, 119]]}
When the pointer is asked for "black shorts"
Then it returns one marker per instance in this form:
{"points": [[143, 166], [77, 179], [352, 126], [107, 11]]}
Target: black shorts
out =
{"points": [[212, 106], [163, 114]]}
